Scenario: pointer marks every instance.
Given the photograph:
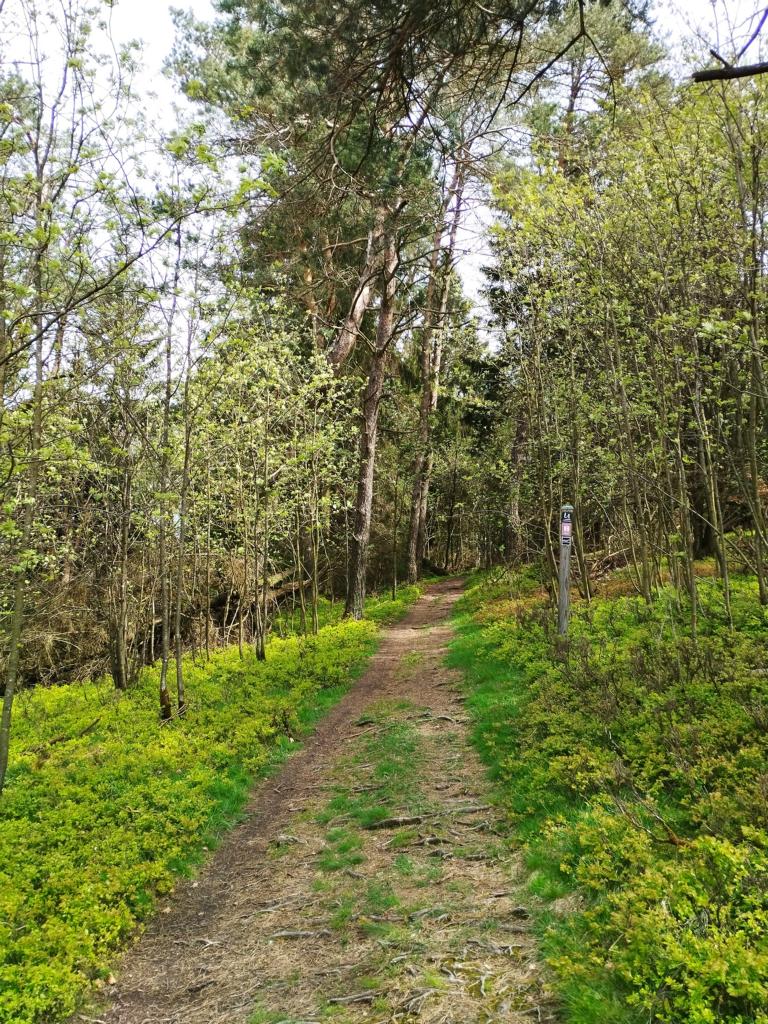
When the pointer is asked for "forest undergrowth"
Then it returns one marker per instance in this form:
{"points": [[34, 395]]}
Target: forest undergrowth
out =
{"points": [[631, 759], [105, 811]]}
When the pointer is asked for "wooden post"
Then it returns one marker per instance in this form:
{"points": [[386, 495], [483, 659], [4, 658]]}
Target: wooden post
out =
{"points": [[564, 597]]}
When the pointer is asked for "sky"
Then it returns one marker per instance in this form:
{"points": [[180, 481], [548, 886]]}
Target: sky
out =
{"points": [[150, 22]]}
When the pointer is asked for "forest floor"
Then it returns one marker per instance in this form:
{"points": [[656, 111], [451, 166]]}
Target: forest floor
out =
{"points": [[369, 881]]}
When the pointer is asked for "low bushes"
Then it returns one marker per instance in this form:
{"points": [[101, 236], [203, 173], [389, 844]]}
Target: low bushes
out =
{"points": [[104, 806], [633, 761], [381, 608]]}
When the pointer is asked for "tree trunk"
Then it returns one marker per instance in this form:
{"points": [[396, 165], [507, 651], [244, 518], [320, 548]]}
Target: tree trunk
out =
{"points": [[358, 554], [515, 551], [636, 523], [361, 532], [430, 365], [261, 620], [208, 554], [183, 502], [119, 661], [28, 497], [165, 460], [451, 512], [350, 328]]}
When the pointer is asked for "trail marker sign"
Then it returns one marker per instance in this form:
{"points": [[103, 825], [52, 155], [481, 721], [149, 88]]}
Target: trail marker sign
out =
{"points": [[564, 597]]}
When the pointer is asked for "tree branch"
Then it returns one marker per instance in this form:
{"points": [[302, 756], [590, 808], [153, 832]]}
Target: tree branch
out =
{"points": [[725, 73]]}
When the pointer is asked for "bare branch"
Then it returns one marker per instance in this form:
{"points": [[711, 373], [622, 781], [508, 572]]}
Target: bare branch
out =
{"points": [[729, 72]]}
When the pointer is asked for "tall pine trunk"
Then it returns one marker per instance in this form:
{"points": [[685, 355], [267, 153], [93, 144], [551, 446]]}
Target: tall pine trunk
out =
{"points": [[430, 362], [361, 532]]}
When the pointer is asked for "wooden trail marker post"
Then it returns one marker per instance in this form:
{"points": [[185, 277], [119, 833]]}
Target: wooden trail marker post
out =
{"points": [[564, 596]]}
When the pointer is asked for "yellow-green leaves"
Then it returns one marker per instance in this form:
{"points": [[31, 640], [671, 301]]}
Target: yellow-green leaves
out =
{"points": [[94, 827]]}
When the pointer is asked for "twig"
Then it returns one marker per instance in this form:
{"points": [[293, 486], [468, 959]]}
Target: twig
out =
{"points": [[395, 822], [359, 997], [41, 748]]}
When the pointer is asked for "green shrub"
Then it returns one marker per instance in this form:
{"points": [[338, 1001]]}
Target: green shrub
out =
{"points": [[381, 608], [104, 806], [633, 763]]}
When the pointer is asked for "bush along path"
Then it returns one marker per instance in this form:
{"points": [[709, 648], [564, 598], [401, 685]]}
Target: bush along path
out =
{"points": [[631, 763], [369, 881], [105, 807]]}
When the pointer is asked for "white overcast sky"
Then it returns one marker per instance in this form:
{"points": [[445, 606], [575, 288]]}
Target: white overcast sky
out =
{"points": [[149, 22]]}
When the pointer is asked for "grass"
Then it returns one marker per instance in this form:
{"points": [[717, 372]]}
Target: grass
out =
{"points": [[105, 807], [379, 780], [342, 850], [403, 914], [391, 781], [630, 762]]}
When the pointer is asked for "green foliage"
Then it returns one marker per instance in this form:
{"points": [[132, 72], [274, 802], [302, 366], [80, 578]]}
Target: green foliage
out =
{"points": [[105, 807], [380, 608], [631, 761]]}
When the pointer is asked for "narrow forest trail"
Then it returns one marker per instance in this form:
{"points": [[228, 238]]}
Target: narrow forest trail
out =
{"points": [[321, 905]]}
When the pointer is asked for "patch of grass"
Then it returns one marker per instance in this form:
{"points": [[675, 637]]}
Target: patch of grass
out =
{"points": [[261, 1016], [335, 1013], [429, 874], [411, 658], [403, 838], [384, 931], [390, 785], [379, 781], [379, 898], [462, 885], [342, 850], [344, 913], [380, 608], [368, 984], [431, 979], [403, 865]]}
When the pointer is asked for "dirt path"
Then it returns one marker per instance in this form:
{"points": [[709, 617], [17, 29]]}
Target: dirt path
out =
{"points": [[367, 882]]}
